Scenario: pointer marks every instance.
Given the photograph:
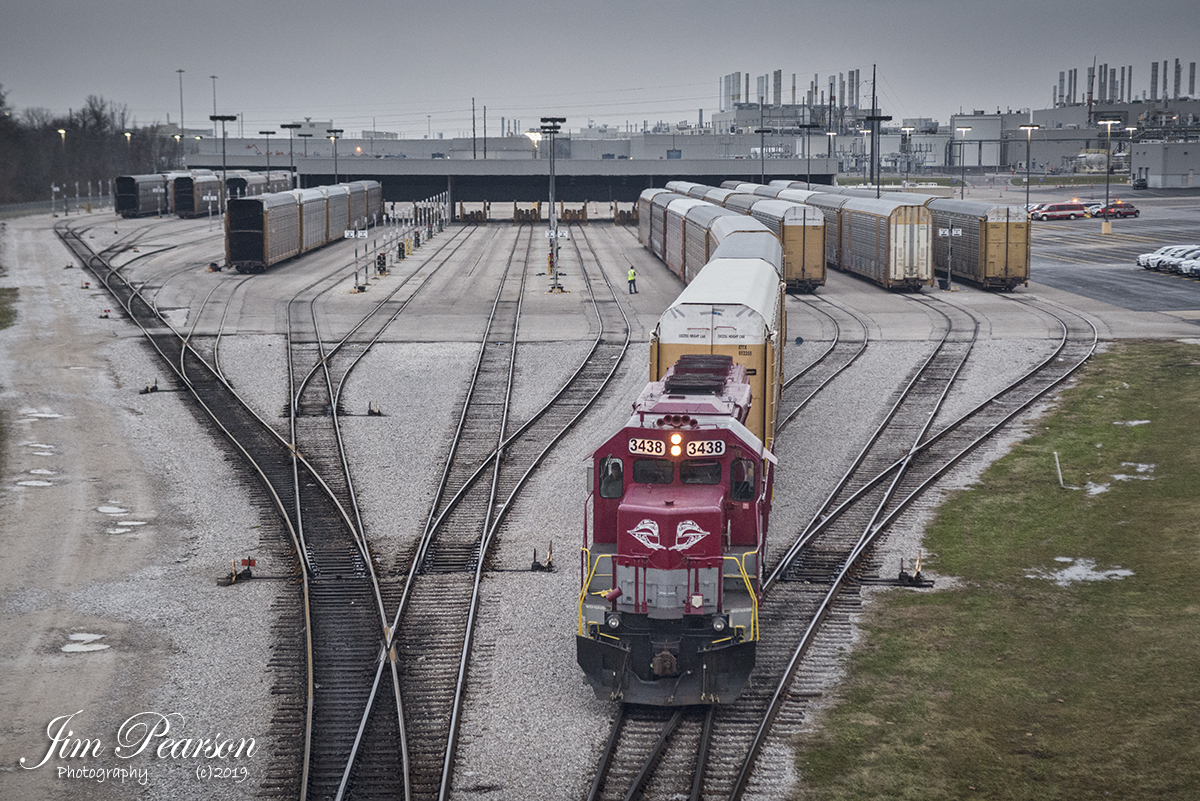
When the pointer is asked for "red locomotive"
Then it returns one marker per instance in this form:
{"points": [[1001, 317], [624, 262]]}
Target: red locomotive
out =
{"points": [[671, 566]]}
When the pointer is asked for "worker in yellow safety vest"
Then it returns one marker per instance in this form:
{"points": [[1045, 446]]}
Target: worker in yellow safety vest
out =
{"points": [[632, 280]]}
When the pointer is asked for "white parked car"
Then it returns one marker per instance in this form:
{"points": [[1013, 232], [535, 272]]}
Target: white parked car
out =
{"points": [[1154, 260], [1190, 267], [1170, 264]]}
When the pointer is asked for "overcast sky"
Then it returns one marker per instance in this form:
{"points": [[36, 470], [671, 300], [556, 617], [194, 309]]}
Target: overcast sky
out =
{"points": [[413, 66]]}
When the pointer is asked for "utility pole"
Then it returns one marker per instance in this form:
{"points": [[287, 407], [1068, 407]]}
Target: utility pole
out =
{"points": [[223, 118], [550, 127]]}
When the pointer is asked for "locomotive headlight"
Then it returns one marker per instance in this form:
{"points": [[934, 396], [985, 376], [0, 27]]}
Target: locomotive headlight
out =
{"points": [[613, 621], [676, 450], [718, 624], [676, 439]]}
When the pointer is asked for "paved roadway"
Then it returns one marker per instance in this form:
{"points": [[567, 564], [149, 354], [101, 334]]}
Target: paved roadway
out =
{"points": [[1074, 256]]}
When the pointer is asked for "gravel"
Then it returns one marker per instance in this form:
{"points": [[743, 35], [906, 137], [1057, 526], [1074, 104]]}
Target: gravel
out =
{"points": [[533, 727]]}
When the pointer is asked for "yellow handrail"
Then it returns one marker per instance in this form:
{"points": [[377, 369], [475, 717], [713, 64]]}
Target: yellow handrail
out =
{"points": [[583, 590], [740, 562]]}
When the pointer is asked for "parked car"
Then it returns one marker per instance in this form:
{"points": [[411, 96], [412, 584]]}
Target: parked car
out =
{"points": [[1143, 260], [1139, 183], [1154, 260], [1093, 208], [1190, 267], [1118, 209], [1060, 211], [1032, 207], [1170, 264]]}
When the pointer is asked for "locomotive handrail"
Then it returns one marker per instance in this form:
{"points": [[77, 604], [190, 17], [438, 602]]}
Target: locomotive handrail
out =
{"points": [[583, 590], [740, 562]]}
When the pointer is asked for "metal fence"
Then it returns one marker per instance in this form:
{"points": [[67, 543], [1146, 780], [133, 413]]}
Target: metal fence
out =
{"points": [[69, 206]]}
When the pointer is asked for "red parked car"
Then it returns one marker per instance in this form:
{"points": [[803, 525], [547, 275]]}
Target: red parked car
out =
{"points": [[1118, 209]]}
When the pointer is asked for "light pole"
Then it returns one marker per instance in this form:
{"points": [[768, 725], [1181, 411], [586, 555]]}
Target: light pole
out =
{"points": [[222, 118], [1028, 129], [875, 119], [213, 117], [334, 133], [907, 130], [305, 137], [1131, 130], [808, 126], [762, 164], [291, 127], [962, 158], [62, 132], [268, 134], [550, 127], [182, 161], [1106, 226]]}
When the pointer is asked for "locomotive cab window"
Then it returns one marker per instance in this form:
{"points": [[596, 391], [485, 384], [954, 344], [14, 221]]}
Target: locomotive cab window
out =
{"points": [[700, 471], [741, 480], [653, 471], [612, 477]]}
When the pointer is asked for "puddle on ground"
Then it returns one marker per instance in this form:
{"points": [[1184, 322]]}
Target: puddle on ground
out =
{"points": [[1095, 489], [42, 453], [41, 471], [41, 445], [84, 642], [117, 530], [42, 415], [133, 522], [1141, 472], [1077, 570], [112, 510], [1131, 423], [34, 482]]}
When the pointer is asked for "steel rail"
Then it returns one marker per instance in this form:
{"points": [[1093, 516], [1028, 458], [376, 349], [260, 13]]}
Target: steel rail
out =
{"points": [[877, 526], [824, 511], [838, 370], [501, 513], [89, 259]]}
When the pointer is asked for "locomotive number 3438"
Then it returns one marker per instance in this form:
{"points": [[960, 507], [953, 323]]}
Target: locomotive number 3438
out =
{"points": [[706, 447], [648, 447]]}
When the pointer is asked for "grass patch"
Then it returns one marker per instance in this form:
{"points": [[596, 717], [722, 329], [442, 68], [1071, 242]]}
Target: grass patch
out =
{"points": [[1014, 687], [8, 306]]}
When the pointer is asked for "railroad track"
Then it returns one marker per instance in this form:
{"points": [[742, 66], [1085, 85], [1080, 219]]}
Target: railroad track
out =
{"points": [[350, 617], [900, 430], [490, 459], [332, 625], [844, 349], [813, 591], [266, 455]]}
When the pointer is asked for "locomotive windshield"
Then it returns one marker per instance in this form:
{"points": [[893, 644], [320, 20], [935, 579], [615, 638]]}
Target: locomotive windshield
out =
{"points": [[700, 471], [653, 471]]}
